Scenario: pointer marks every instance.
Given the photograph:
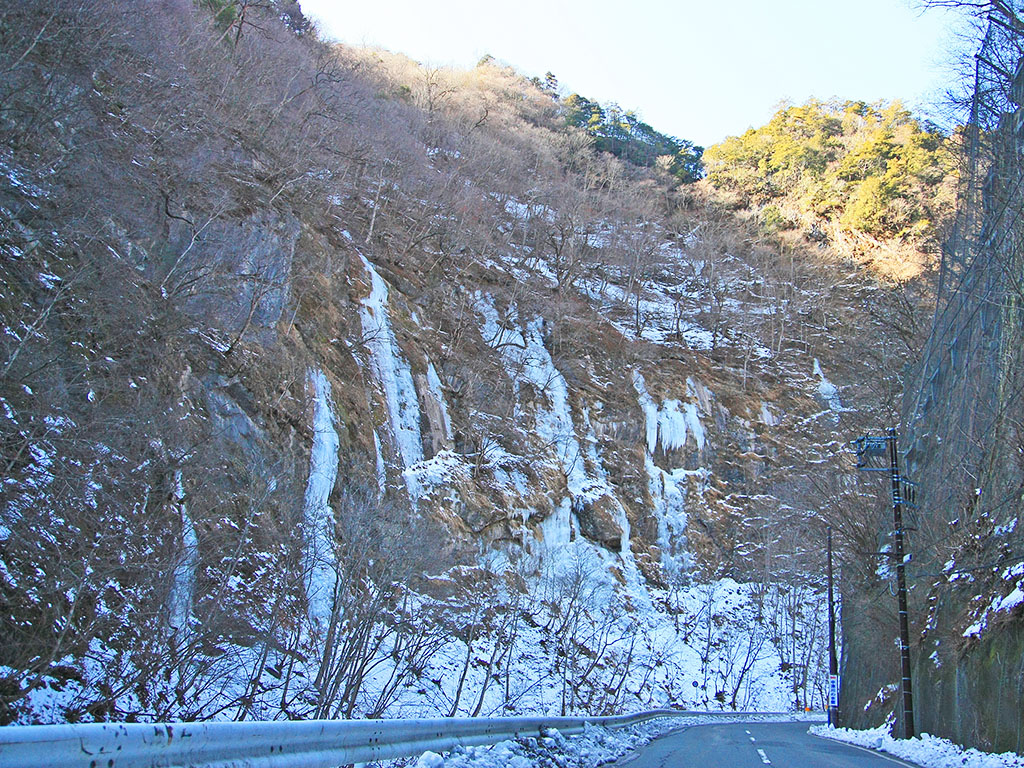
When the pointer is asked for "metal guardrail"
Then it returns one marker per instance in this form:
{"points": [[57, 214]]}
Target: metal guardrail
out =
{"points": [[281, 744]]}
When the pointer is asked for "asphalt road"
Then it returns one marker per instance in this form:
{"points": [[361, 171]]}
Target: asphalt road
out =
{"points": [[753, 745]]}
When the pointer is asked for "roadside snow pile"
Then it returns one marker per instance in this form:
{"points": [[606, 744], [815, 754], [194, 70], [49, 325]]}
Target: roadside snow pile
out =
{"points": [[596, 746], [926, 750]]}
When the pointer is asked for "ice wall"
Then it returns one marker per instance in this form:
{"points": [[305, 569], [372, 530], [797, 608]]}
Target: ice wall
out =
{"points": [[527, 360], [318, 517], [670, 426], [180, 602], [392, 372]]}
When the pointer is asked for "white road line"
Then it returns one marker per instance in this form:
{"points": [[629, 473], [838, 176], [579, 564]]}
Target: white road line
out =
{"points": [[764, 757]]}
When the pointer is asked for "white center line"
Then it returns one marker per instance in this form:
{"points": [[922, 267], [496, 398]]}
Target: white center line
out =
{"points": [[764, 757]]}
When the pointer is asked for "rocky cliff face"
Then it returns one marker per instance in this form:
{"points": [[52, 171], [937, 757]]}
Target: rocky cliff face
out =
{"points": [[332, 389]]}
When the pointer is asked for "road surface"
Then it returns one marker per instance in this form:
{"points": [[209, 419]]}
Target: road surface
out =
{"points": [[753, 745]]}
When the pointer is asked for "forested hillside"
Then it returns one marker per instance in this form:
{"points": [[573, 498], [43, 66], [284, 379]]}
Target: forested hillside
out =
{"points": [[334, 385], [851, 172]]}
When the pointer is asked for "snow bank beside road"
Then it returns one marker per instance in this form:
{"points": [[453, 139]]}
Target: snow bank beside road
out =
{"points": [[597, 746], [926, 750]]}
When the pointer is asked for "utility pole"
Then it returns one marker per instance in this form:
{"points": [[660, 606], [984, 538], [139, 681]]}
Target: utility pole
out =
{"points": [[833, 663], [869, 447], [901, 588]]}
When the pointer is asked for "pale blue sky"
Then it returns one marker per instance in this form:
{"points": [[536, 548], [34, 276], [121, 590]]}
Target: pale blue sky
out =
{"points": [[695, 70]]}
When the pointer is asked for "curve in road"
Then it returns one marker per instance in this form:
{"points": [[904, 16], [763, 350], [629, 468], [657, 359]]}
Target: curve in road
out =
{"points": [[753, 745]]}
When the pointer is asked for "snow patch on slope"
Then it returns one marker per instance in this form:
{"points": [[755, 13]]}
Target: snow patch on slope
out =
{"points": [[827, 391], [655, 316], [1000, 604], [444, 469]]}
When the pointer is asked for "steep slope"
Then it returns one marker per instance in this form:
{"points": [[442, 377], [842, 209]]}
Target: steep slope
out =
{"points": [[337, 386], [961, 443]]}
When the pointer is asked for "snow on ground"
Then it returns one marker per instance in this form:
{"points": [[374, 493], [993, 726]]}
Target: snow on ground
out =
{"points": [[699, 647], [528, 210], [18, 176], [595, 746], [656, 316], [926, 750], [444, 469]]}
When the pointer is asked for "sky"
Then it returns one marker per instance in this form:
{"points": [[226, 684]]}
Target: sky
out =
{"points": [[699, 71]]}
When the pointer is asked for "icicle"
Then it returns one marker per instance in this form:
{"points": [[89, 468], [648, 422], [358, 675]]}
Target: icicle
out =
{"points": [[393, 373], [318, 517], [382, 475], [180, 601], [434, 382]]}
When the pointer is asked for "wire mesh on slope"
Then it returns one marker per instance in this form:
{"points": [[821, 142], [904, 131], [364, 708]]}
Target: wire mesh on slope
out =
{"points": [[964, 405]]}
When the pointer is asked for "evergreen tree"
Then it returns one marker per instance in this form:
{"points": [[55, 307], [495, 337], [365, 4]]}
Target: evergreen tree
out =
{"points": [[551, 84], [623, 134]]}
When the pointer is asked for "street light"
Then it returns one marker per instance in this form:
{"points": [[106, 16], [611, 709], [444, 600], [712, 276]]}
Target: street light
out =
{"points": [[871, 451]]}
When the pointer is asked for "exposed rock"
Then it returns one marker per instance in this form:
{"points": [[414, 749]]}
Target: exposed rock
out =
{"points": [[599, 522]]}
